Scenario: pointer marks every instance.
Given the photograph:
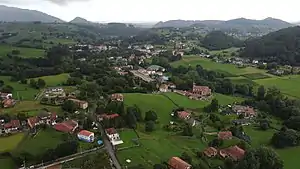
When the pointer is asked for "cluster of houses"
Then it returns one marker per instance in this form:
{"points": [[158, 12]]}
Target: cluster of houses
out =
{"points": [[197, 92], [57, 96], [7, 100]]}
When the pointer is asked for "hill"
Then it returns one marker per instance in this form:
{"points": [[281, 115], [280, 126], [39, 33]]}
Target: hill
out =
{"points": [[218, 40], [12, 14], [282, 47], [79, 20], [234, 26]]}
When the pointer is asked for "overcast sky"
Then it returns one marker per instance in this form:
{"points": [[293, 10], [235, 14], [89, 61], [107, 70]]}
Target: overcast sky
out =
{"points": [[162, 10]]}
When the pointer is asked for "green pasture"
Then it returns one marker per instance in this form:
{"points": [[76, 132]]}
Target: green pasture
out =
{"points": [[55, 80], [24, 52], [10, 142]]}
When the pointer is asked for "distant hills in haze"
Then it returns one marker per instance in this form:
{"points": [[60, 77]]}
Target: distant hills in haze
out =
{"points": [[12, 14], [271, 23]]}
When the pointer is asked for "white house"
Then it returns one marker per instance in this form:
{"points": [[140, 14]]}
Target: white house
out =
{"points": [[113, 136], [86, 136]]}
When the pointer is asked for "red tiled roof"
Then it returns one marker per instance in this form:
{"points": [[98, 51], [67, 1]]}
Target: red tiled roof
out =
{"points": [[210, 151], [183, 114], [235, 152], [244, 109], [109, 116], [12, 124], [53, 116], [67, 126], [7, 102], [111, 131], [177, 163], [225, 135], [85, 133]]}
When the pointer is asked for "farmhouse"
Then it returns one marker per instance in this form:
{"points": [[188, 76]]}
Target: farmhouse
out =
{"points": [[6, 95], [43, 118], [178, 163], [117, 97], [13, 125], [225, 135], [234, 152], [210, 152], [113, 136], [67, 126], [80, 103], [184, 115], [86, 136], [163, 88], [201, 90], [7, 103], [247, 111]]}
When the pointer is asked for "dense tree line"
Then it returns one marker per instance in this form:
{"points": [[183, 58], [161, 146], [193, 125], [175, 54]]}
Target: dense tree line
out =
{"points": [[281, 47], [218, 40]]}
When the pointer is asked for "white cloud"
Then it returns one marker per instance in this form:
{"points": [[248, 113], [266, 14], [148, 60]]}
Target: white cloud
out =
{"points": [[156, 10]]}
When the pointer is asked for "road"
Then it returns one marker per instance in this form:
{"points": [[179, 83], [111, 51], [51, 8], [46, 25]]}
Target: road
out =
{"points": [[65, 159], [108, 145]]}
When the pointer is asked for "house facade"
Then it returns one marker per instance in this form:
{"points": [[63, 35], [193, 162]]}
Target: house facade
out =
{"points": [[247, 111], [210, 152], [80, 103], [117, 97], [113, 136], [201, 90], [163, 88], [225, 135], [12, 126], [86, 136], [43, 118]]}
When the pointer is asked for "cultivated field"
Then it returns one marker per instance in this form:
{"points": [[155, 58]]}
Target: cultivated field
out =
{"points": [[227, 69], [9, 143], [24, 52]]}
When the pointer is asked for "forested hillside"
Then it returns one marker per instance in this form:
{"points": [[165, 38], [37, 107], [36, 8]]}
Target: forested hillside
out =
{"points": [[218, 40], [282, 47]]}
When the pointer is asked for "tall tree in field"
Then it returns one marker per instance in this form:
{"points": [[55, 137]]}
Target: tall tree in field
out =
{"points": [[261, 92], [41, 83]]}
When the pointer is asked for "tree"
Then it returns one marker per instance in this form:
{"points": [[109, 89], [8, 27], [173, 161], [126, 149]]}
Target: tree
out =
{"points": [[7, 89], [150, 116], [286, 138], [41, 83], [149, 126], [87, 123], [159, 166], [264, 125], [131, 120], [15, 52], [187, 130], [69, 106], [33, 83], [186, 157], [213, 107], [261, 92], [260, 158]]}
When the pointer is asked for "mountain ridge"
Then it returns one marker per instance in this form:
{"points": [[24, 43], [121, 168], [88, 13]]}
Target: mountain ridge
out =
{"points": [[13, 14]]}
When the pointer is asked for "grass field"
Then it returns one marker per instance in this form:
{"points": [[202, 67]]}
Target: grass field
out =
{"points": [[230, 69], [61, 41], [30, 107], [23, 90], [127, 136], [255, 76], [158, 146], [7, 163], [24, 52], [241, 80], [287, 85], [55, 80], [43, 140], [9, 143]]}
